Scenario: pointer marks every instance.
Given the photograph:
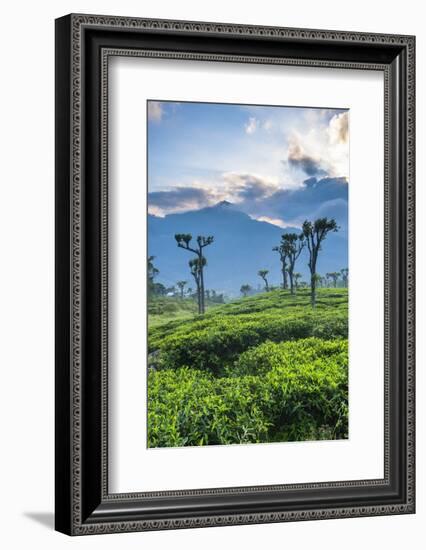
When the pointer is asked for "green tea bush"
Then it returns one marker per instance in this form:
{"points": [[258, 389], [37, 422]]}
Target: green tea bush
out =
{"points": [[291, 391], [308, 382], [308, 351], [213, 341], [279, 303], [189, 407], [223, 339]]}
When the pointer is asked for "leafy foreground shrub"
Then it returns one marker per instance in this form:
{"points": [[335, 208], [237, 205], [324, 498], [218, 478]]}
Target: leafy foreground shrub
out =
{"points": [[293, 391], [312, 352], [214, 345]]}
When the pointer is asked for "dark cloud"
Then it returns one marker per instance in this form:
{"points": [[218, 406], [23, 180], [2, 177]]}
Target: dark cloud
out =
{"points": [[310, 182], [317, 197], [299, 159], [261, 198], [248, 186], [238, 188], [179, 198]]}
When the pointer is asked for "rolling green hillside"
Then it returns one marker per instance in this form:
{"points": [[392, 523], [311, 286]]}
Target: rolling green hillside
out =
{"points": [[259, 369]]}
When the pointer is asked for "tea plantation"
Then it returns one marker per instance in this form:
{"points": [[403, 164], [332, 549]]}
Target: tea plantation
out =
{"points": [[266, 368]]}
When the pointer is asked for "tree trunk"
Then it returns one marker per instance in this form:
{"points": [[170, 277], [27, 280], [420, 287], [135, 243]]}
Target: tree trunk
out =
{"points": [[285, 283], [313, 289], [197, 284], [290, 274], [200, 303], [199, 298], [201, 285]]}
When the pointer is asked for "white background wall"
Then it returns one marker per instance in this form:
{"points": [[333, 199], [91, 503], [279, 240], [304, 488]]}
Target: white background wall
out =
{"points": [[27, 260]]}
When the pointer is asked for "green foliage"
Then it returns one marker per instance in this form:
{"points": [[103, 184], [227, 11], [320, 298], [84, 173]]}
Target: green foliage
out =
{"points": [[215, 340], [260, 369], [169, 305], [314, 352], [189, 407], [293, 391]]}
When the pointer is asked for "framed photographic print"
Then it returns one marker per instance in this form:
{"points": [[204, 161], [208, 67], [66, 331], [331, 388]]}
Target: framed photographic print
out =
{"points": [[234, 274]]}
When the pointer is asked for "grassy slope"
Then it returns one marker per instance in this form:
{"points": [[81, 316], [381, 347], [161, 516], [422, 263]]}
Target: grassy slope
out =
{"points": [[264, 316], [264, 368], [163, 310]]}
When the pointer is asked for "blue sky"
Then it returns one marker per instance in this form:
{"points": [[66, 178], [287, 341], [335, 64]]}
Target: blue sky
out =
{"points": [[277, 164]]}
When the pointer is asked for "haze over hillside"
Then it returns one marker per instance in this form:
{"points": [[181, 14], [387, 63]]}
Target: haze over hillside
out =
{"points": [[241, 247]]}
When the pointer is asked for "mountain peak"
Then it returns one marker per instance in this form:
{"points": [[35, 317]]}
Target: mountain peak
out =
{"points": [[219, 207], [241, 242]]}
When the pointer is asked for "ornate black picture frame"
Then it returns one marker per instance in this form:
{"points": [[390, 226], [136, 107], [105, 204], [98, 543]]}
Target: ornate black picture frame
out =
{"points": [[83, 45]]}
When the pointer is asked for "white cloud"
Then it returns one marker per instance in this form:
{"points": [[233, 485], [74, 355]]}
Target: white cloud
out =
{"points": [[280, 155], [251, 125], [233, 187], [274, 221], [156, 211], [325, 144], [267, 125], [338, 128], [155, 111]]}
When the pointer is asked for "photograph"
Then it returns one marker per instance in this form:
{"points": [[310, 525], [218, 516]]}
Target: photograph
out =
{"points": [[247, 273]]}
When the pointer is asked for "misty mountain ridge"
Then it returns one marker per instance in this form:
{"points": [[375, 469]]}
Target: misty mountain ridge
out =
{"points": [[242, 246]]}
